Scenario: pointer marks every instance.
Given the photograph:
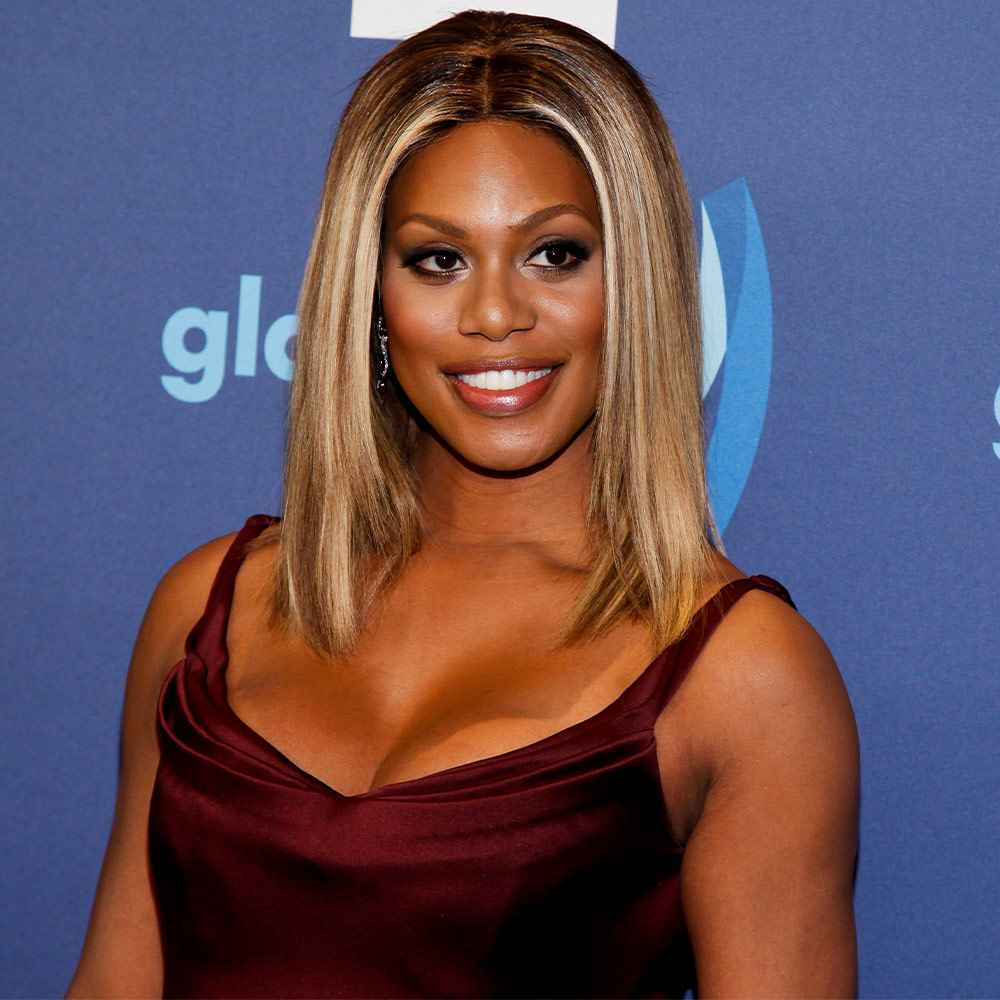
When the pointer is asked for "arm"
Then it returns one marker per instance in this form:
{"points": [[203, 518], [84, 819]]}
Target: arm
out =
{"points": [[768, 869], [121, 954]]}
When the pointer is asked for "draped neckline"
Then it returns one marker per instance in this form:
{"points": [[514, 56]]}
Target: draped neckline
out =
{"points": [[639, 690]]}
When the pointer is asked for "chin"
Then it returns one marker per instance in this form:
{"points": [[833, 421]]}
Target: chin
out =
{"points": [[512, 460], [508, 453]]}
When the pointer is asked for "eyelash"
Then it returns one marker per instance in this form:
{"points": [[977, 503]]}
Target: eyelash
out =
{"points": [[578, 251]]}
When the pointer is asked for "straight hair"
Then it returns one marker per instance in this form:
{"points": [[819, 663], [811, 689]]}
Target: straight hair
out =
{"points": [[350, 512]]}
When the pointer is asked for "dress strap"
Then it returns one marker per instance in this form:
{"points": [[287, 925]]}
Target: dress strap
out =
{"points": [[207, 639], [704, 623]]}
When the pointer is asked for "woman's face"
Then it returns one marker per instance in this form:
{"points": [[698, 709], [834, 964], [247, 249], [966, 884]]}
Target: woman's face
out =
{"points": [[470, 280]]}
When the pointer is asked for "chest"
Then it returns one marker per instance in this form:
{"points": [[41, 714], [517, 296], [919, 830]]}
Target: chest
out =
{"points": [[449, 670]]}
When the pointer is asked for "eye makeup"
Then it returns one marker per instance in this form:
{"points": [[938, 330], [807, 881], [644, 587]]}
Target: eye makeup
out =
{"points": [[576, 250]]}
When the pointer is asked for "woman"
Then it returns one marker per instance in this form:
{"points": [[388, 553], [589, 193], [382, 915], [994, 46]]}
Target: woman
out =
{"points": [[426, 734]]}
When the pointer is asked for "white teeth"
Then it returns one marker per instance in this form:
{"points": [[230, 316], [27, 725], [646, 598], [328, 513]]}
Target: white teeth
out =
{"points": [[506, 379]]}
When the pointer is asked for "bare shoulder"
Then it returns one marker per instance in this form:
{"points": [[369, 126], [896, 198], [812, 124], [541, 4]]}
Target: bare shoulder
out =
{"points": [[178, 600], [197, 566], [770, 675], [763, 684], [765, 675], [767, 874]]}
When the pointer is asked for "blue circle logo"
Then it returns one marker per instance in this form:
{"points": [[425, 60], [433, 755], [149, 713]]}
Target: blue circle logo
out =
{"points": [[737, 330]]}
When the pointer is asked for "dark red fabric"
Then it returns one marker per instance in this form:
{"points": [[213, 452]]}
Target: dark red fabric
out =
{"points": [[545, 871]]}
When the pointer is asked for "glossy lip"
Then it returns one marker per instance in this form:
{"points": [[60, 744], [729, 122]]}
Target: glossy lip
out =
{"points": [[496, 402], [518, 363]]}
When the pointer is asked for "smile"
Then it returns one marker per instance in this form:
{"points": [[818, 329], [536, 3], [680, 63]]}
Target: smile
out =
{"points": [[503, 379], [502, 392]]}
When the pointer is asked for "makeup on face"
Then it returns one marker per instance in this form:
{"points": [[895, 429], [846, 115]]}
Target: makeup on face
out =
{"points": [[500, 386], [493, 284], [504, 386]]}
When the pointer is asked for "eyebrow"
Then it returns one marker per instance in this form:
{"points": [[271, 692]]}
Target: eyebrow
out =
{"points": [[528, 222]]}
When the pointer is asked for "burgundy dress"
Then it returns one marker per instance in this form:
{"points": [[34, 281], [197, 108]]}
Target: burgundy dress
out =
{"points": [[544, 871]]}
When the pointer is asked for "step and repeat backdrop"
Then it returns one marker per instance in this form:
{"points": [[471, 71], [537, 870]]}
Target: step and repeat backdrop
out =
{"points": [[162, 165]]}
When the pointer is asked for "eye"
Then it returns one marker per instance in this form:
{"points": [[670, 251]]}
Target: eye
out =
{"points": [[444, 258], [439, 256], [560, 248]]}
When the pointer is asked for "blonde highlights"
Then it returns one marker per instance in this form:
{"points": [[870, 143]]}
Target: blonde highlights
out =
{"points": [[350, 518]]}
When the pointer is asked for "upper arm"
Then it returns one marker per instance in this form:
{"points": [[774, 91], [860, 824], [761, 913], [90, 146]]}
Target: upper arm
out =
{"points": [[767, 874], [121, 953]]}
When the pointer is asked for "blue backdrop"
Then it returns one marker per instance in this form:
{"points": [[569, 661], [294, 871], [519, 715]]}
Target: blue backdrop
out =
{"points": [[162, 165]]}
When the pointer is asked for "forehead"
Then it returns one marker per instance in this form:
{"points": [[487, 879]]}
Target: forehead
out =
{"points": [[494, 168]]}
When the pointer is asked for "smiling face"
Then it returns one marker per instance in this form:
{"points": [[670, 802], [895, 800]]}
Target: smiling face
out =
{"points": [[492, 254]]}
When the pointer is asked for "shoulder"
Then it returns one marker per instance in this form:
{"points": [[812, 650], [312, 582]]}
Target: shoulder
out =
{"points": [[770, 708], [770, 672], [190, 577], [764, 647], [178, 600], [771, 853]]}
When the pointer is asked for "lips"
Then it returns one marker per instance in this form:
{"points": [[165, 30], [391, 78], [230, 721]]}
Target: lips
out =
{"points": [[505, 401]]}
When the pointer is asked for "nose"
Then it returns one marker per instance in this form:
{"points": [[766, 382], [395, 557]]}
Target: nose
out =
{"points": [[495, 304]]}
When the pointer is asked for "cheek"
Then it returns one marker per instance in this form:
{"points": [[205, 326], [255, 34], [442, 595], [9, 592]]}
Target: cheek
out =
{"points": [[580, 313], [586, 340], [423, 338], [418, 327], [413, 351]]}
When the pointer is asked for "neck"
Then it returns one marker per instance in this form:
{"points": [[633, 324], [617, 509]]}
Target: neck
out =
{"points": [[539, 510]]}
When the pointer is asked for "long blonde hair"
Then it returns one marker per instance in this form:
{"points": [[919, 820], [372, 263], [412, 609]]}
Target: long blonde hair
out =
{"points": [[350, 516]]}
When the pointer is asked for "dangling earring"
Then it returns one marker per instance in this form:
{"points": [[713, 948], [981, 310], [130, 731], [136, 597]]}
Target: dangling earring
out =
{"points": [[383, 338]]}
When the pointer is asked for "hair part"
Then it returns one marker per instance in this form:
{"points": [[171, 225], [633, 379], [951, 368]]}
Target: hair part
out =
{"points": [[351, 517]]}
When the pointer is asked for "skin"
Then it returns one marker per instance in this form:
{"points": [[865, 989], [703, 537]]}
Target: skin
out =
{"points": [[758, 749], [492, 480]]}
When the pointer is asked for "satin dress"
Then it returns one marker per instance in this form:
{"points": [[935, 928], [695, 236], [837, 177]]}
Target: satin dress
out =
{"points": [[544, 871]]}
